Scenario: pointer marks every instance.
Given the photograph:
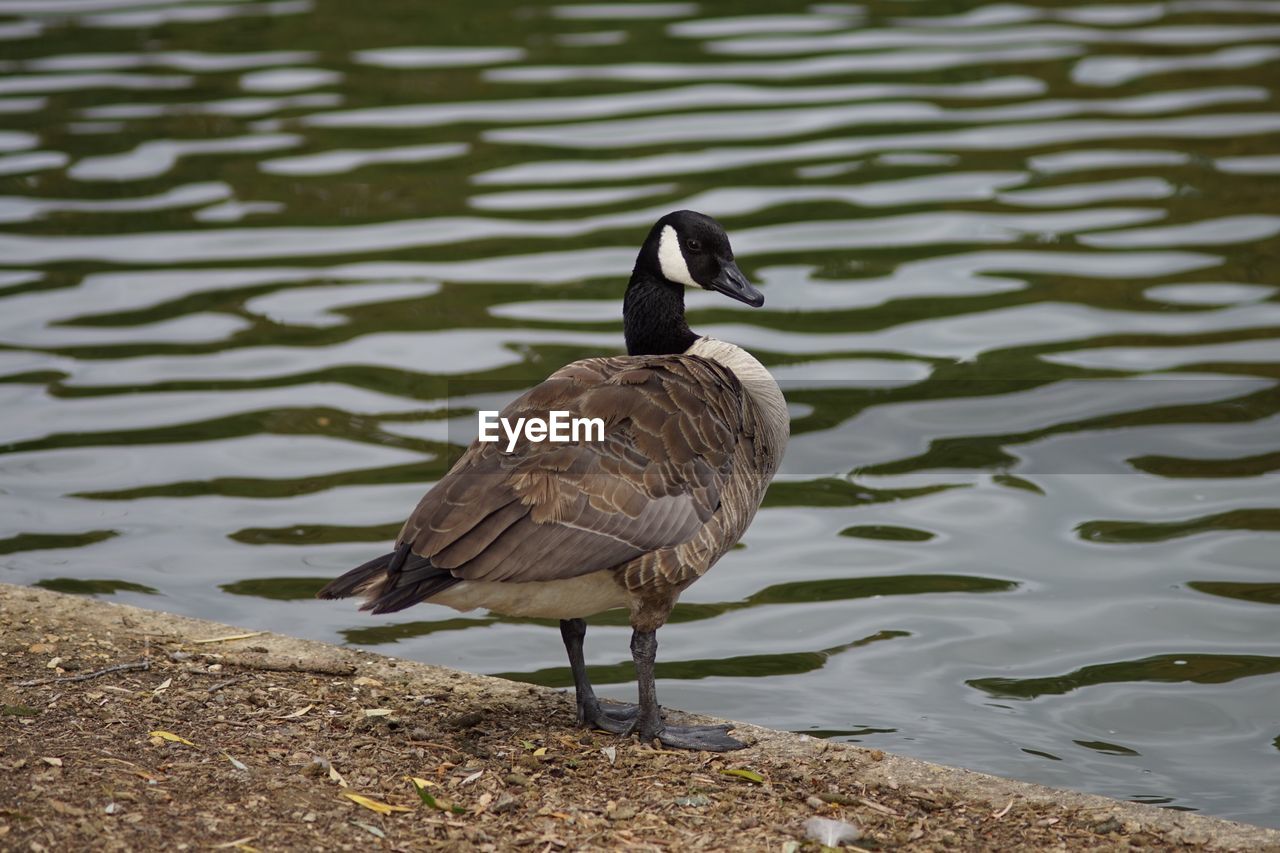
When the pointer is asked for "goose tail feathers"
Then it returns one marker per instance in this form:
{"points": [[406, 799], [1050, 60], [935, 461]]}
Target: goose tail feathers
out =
{"points": [[391, 582], [358, 580]]}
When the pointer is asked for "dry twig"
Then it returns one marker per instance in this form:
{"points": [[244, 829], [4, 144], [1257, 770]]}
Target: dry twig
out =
{"points": [[268, 665], [106, 670], [226, 682]]}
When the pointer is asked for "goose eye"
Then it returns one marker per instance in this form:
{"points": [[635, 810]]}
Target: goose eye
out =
{"points": [[693, 245]]}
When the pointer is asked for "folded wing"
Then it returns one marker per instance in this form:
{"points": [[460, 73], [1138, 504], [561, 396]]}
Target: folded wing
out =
{"points": [[550, 510]]}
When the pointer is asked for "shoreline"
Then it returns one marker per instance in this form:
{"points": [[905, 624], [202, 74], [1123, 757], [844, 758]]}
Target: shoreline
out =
{"points": [[263, 739]]}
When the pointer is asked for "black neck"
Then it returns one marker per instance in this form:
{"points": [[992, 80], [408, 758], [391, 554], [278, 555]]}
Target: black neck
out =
{"points": [[653, 316]]}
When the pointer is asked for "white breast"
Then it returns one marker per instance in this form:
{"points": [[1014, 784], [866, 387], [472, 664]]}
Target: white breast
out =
{"points": [[756, 379]]}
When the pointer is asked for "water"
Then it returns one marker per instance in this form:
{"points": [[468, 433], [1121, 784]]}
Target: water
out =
{"points": [[1021, 271]]}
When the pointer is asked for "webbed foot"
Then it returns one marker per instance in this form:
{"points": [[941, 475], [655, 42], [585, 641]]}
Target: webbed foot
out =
{"points": [[709, 738], [616, 717]]}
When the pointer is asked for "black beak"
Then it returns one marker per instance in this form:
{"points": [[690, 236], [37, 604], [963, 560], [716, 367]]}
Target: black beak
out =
{"points": [[732, 283]]}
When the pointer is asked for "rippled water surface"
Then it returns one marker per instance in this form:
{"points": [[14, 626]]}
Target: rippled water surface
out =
{"points": [[261, 261]]}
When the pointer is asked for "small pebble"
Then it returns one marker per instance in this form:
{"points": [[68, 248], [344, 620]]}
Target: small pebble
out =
{"points": [[318, 767], [623, 811], [504, 804], [693, 800], [1107, 826], [466, 721]]}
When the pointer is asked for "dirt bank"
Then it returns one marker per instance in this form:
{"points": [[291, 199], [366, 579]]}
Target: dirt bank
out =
{"points": [[194, 739]]}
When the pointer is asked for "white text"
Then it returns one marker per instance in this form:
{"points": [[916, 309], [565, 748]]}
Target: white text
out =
{"points": [[559, 427]]}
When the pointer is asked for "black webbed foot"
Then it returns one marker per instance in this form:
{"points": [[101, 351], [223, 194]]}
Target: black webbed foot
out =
{"points": [[616, 717], [709, 738], [625, 711], [646, 719]]}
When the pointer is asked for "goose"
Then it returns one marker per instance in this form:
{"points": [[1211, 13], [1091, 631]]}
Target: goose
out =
{"points": [[694, 430]]}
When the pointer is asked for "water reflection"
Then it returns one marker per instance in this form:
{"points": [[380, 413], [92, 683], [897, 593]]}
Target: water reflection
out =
{"points": [[1258, 593], [754, 666], [1195, 668], [97, 586]]}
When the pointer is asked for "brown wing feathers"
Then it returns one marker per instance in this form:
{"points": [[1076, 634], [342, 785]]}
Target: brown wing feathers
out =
{"points": [[548, 510]]}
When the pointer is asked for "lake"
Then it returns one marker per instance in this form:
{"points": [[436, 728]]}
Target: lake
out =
{"points": [[262, 262]]}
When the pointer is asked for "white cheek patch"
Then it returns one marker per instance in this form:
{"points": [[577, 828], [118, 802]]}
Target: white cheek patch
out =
{"points": [[671, 259]]}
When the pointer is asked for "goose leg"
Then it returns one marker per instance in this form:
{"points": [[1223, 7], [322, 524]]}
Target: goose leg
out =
{"points": [[648, 723], [617, 719]]}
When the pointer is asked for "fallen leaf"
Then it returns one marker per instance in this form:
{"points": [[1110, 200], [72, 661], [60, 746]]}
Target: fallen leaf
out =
{"points": [[427, 799], [369, 828], [742, 773], [542, 750], [473, 777], [419, 781], [1004, 811], [239, 843], [297, 713], [374, 805], [170, 736], [337, 777], [53, 762], [164, 685], [611, 753], [229, 637], [366, 681], [239, 765], [53, 663], [377, 712]]}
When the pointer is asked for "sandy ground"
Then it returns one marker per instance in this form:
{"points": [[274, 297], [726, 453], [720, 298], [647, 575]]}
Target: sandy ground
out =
{"points": [[193, 739]]}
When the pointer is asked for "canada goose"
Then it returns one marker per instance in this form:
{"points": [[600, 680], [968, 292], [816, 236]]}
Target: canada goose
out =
{"points": [[694, 431]]}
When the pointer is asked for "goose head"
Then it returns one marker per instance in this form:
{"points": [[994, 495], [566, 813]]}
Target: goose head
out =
{"points": [[691, 249]]}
